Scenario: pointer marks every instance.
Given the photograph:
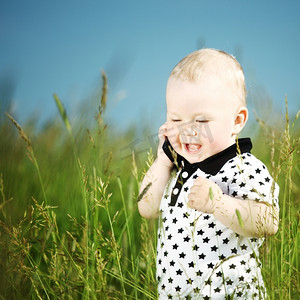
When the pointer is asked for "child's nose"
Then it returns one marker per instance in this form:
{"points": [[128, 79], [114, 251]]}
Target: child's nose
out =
{"points": [[190, 131]]}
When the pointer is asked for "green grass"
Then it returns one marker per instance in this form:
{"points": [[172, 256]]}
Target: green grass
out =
{"points": [[69, 224]]}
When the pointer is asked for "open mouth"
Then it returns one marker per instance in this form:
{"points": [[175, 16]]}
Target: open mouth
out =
{"points": [[193, 148]]}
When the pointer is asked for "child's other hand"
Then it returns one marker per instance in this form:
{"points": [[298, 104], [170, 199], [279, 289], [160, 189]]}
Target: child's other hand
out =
{"points": [[161, 156], [204, 195]]}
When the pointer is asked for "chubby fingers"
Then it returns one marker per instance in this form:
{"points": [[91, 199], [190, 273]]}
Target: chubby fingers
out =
{"points": [[202, 195], [162, 133]]}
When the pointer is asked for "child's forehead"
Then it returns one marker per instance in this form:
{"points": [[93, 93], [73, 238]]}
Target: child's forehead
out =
{"points": [[205, 92]]}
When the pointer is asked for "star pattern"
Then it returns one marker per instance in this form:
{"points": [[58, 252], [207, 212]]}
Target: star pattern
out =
{"points": [[191, 244]]}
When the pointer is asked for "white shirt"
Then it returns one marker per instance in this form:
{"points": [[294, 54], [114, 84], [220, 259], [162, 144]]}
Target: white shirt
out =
{"points": [[197, 256]]}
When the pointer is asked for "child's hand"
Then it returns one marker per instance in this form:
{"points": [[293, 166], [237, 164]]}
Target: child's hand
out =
{"points": [[204, 195], [161, 156]]}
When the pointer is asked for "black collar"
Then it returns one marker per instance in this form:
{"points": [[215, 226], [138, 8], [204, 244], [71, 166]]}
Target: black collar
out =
{"points": [[213, 164]]}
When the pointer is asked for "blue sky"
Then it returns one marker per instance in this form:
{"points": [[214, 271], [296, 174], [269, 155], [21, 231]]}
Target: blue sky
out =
{"points": [[61, 47]]}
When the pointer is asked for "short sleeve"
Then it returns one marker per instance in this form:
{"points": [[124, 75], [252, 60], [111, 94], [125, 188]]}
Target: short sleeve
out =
{"points": [[251, 180]]}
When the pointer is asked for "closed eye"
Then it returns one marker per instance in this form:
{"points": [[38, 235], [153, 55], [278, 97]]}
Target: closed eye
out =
{"points": [[202, 121], [176, 120]]}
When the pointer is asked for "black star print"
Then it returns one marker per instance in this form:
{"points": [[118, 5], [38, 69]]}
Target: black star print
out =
{"points": [[171, 210], [179, 272], [200, 232], [196, 290], [242, 184], [234, 194], [222, 256], [175, 246], [180, 230], [248, 270], [182, 255], [210, 265], [170, 280], [245, 196], [180, 204], [186, 189], [214, 248], [217, 290], [234, 251], [251, 177], [261, 183], [170, 296], [233, 180], [229, 282], [189, 281], [225, 241], [164, 270], [224, 179], [241, 278], [169, 236], [175, 220], [206, 240], [206, 217], [195, 176], [186, 215], [219, 232], [239, 294], [199, 273], [159, 261], [166, 253], [186, 239], [164, 219], [195, 247], [206, 297], [167, 228], [211, 225], [267, 179], [244, 247], [192, 224], [243, 262], [201, 256], [232, 266], [219, 274], [257, 171], [172, 263], [178, 288], [163, 287], [208, 282], [191, 264]]}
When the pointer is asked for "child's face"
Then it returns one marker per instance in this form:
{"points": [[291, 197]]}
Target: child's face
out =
{"points": [[201, 117]]}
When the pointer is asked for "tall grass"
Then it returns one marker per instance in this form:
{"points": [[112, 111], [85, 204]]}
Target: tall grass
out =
{"points": [[69, 225]]}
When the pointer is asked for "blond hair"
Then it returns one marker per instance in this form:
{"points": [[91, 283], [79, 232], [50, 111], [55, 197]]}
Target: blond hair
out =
{"points": [[206, 62]]}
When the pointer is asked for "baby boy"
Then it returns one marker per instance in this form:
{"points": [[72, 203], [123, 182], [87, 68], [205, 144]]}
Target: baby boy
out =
{"points": [[221, 201]]}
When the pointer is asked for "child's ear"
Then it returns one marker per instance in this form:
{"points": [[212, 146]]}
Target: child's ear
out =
{"points": [[240, 120]]}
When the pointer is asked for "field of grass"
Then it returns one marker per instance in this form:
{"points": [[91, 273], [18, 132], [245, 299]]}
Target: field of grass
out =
{"points": [[69, 224]]}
